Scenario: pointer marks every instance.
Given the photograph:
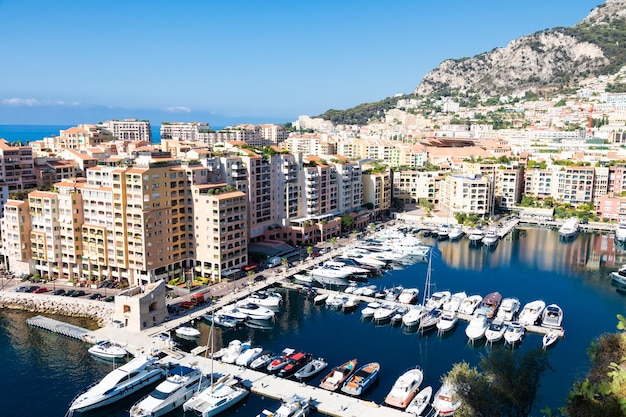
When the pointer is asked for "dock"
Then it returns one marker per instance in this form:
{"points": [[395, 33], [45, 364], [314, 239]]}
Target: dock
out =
{"points": [[59, 327], [271, 386]]}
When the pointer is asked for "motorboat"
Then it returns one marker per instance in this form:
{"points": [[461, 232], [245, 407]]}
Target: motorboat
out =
{"points": [[338, 375], [351, 288], [370, 309], [408, 296], [443, 232], [362, 379], [509, 308], [221, 320], [350, 304], [262, 360], [447, 321], [569, 228], [477, 327], [350, 269], [455, 301], [384, 312], [514, 333], [311, 369], [476, 237], [552, 316], [179, 386], [619, 276], [269, 299], [248, 356], [187, 332], [292, 406], [470, 304], [255, 311], [366, 290], [437, 299], [232, 312], [392, 294], [330, 276], [219, 396], [620, 232], [396, 319], [303, 278], [294, 364], [549, 339], [531, 313], [490, 304], [235, 349], [106, 349], [414, 315], [430, 320], [495, 331], [405, 388], [491, 237], [126, 380], [335, 301], [420, 401], [280, 361], [456, 233], [446, 401], [320, 298], [259, 324], [362, 257]]}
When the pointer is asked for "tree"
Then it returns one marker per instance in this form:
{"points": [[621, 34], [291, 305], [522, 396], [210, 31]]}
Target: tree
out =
{"points": [[505, 386], [347, 222], [309, 250]]}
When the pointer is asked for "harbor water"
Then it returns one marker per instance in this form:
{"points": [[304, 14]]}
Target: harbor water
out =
{"points": [[42, 372]]}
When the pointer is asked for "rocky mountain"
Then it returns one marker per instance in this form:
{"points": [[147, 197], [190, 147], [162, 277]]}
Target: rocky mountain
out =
{"points": [[551, 58]]}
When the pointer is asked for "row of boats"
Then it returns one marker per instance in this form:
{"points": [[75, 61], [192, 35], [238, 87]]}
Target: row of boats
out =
{"points": [[258, 310], [476, 236]]}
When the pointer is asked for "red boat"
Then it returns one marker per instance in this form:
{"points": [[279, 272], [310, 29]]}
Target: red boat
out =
{"points": [[295, 362], [280, 361]]}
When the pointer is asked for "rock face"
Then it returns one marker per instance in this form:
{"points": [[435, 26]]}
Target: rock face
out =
{"points": [[96, 310], [555, 56]]}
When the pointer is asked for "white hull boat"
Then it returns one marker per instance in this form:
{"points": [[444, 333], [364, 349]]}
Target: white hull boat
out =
{"points": [[108, 350], [491, 237], [531, 313], [470, 304], [620, 232], [216, 398], [456, 233], [414, 315], [187, 332], [255, 311], [549, 339], [569, 228], [619, 276], [272, 300], [437, 299], [420, 401], [476, 237], [454, 302], [248, 356], [477, 327], [408, 296], [514, 333], [405, 388], [370, 309], [446, 401], [552, 316], [495, 331], [126, 380], [178, 387], [384, 312], [509, 308], [447, 321], [293, 406]]}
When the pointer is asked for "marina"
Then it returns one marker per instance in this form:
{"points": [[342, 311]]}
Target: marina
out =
{"points": [[59, 327], [394, 347]]}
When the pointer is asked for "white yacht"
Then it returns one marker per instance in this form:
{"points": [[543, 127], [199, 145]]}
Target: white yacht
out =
{"points": [[363, 258], [455, 301], [470, 304], [491, 237], [405, 388], [370, 309], [255, 311], [443, 232], [446, 401], [384, 312], [456, 233], [248, 356], [179, 386], [531, 313], [126, 380], [292, 406], [437, 299], [476, 237], [108, 350], [477, 327], [569, 228], [408, 296], [514, 333], [269, 299], [352, 270], [552, 316], [509, 307], [495, 331], [447, 321], [219, 396], [620, 232], [414, 315], [330, 276], [234, 350]]}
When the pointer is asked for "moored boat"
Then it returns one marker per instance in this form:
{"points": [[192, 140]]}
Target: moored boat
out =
{"points": [[262, 360], [491, 237], [569, 228], [509, 308], [405, 388], [414, 315], [549, 339], [108, 350], [514, 333], [490, 304], [294, 364], [311, 369], [552, 316], [126, 380], [470, 304], [280, 361], [447, 321], [362, 379], [446, 401], [531, 313], [620, 232], [495, 331], [420, 401], [218, 397], [338, 375], [292, 406], [477, 327], [187, 332]]}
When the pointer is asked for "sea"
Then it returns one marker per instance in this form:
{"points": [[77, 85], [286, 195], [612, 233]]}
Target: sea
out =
{"points": [[42, 371], [30, 133]]}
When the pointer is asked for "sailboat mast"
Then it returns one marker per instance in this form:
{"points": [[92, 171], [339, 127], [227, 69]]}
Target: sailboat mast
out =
{"points": [[427, 282]]}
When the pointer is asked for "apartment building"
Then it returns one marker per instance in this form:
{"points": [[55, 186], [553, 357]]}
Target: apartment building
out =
{"points": [[508, 187], [349, 184], [611, 208], [17, 171], [184, 132], [129, 129], [412, 186], [220, 230], [539, 183], [575, 185], [466, 194], [80, 137], [377, 191], [16, 237], [51, 170]]}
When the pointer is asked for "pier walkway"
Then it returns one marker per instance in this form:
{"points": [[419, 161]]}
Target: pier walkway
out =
{"points": [[59, 327]]}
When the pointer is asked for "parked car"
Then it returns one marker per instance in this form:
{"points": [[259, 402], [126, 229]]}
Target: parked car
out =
{"points": [[78, 293], [32, 288], [69, 293], [259, 278], [95, 296], [60, 291], [21, 288], [109, 299], [40, 290]]}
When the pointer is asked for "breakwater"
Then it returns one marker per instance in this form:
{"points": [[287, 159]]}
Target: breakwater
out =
{"points": [[98, 311]]}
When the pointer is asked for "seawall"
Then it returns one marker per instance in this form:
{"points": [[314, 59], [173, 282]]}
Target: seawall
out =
{"points": [[98, 311]]}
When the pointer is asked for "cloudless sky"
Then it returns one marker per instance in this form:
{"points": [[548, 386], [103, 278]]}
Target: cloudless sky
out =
{"points": [[84, 61]]}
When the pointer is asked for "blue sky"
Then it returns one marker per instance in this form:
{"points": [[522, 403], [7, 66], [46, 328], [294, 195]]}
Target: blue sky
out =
{"points": [[232, 61]]}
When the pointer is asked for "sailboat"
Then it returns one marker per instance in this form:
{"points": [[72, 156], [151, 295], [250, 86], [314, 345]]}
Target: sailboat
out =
{"points": [[219, 396]]}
